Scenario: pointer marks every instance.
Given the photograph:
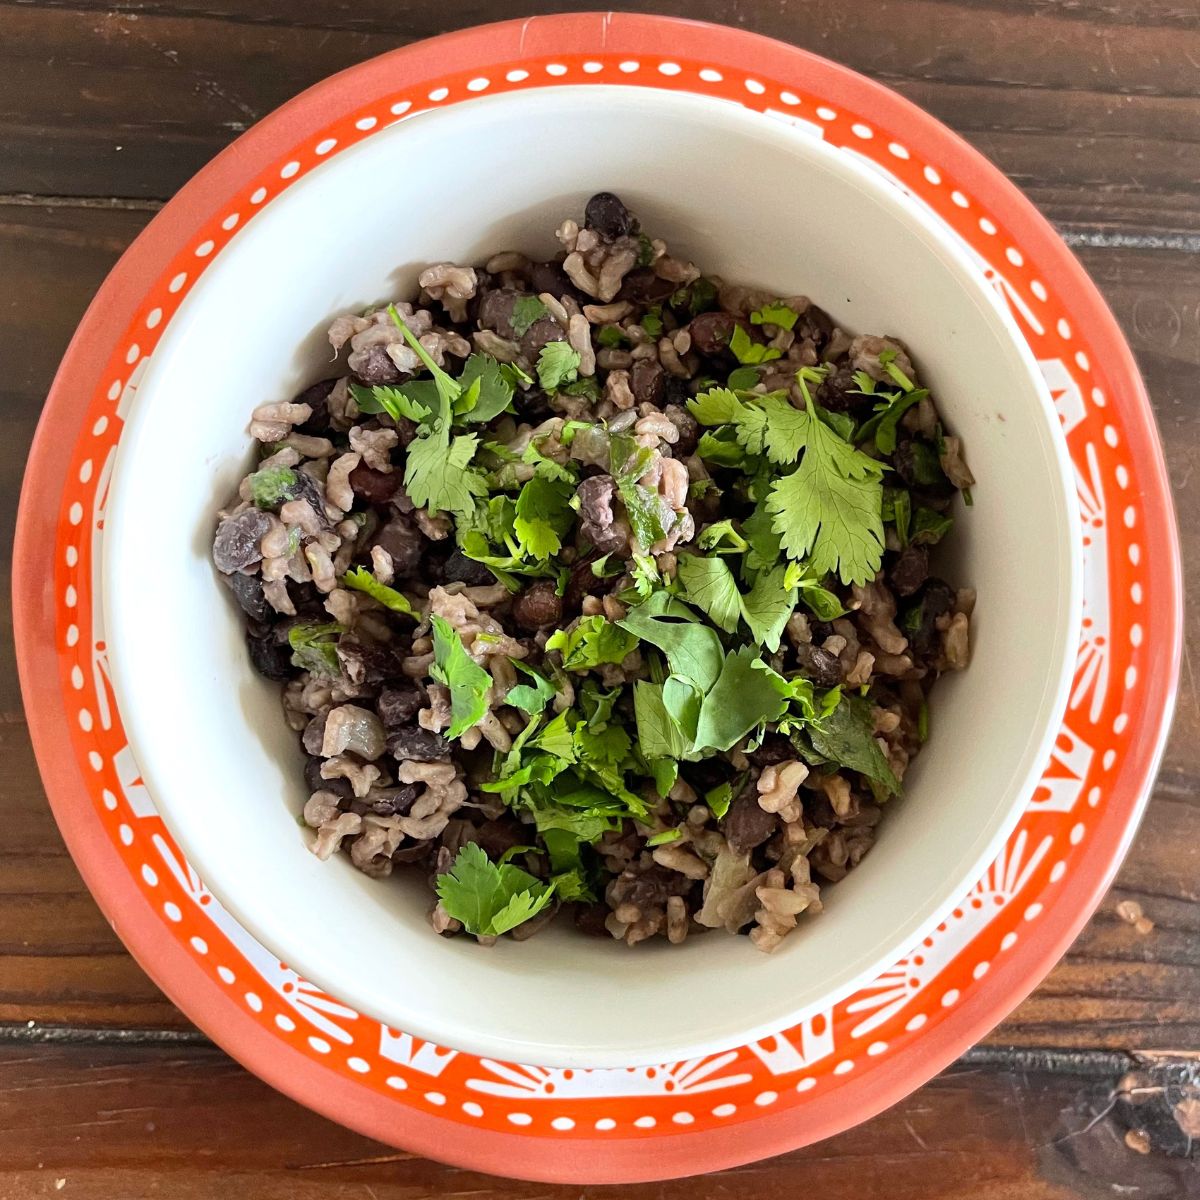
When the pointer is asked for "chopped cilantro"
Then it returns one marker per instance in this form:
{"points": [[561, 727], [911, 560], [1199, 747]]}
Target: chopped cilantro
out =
{"points": [[592, 642], [467, 680], [652, 322], [488, 899], [543, 516], [531, 698], [777, 313], [846, 736], [645, 256], [388, 400], [749, 352], [611, 336], [746, 694], [665, 838], [930, 527], [557, 364], [314, 647], [362, 580], [271, 486], [527, 311]]}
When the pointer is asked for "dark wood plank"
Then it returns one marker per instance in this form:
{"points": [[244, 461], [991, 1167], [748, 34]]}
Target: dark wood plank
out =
{"points": [[62, 965], [102, 1123], [1091, 106]]}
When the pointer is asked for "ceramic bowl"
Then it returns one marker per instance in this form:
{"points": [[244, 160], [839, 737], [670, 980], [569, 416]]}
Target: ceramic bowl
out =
{"points": [[751, 198]]}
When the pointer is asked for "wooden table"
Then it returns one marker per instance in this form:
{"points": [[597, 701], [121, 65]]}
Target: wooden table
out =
{"points": [[1093, 107]]}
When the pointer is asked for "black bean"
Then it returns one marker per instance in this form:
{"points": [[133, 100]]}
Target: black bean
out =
{"points": [[387, 802], [918, 620], [248, 591], [366, 662], [377, 368], [236, 544], [399, 704], [649, 888], [550, 277], [375, 487], [707, 774], [596, 517], [746, 825], [910, 570], [538, 606], [839, 392], [590, 918], [711, 332], [417, 745], [307, 488], [815, 324], [317, 398], [583, 581], [461, 569], [316, 782], [688, 427], [646, 381], [916, 462], [496, 310], [822, 667], [608, 216], [496, 837], [539, 335], [313, 737], [774, 750], [270, 659], [401, 538], [643, 286]]}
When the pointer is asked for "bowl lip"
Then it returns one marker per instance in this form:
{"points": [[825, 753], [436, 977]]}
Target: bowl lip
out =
{"points": [[396, 1010], [164, 958]]}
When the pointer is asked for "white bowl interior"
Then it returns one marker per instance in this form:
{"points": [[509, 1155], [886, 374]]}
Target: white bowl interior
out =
{"points": [[748, 197]]}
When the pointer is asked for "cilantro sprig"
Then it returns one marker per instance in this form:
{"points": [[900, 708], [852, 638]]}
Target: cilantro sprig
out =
{"points": [[489, 899]]}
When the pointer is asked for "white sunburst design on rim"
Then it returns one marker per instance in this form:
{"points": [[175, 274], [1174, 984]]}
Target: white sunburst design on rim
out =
{"points": [[897, 987], [693, 1076], [1096, 642]]}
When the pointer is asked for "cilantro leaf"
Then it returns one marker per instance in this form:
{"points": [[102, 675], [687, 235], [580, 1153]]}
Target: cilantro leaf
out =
{"points": [[526, 311], [437, 475], [710, 585], [611, 336], [557, 364], [692, 649], [495, 392], [748, 352], [531, 698], [768, 424], [390, 400], [846, 736], [543, 516], [467, 680], [721, 797], [659, 735], [651, 517], [758, 529], [930, 527], [823, 604], [746, 694], [592, 642], [314, 647], [767, 606], [665, 772], [271, 486], [490, 900], [665, 838], [363, 581], [776, 313], [721, 449], [830, 507], [652, 322]]}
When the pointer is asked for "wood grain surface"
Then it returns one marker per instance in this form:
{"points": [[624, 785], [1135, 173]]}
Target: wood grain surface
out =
{"points": [[1092, 106]]}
